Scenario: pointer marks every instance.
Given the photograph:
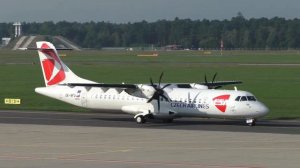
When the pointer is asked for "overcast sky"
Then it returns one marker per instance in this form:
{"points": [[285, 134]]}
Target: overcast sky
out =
{"points": [[121, 11]]}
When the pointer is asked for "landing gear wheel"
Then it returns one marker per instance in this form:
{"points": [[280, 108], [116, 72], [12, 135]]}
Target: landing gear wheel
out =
{"points": [[140, 119], [251, 122]]}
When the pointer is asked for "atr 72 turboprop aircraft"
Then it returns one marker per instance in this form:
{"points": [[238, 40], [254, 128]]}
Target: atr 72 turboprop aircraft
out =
{"points": [[144, 101]]}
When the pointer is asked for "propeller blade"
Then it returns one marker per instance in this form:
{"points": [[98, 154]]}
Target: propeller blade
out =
{"points": [[151, 82], [166, 86], [205, 79], [214, 77], [165, 98], [161, 75], [150, 99]]}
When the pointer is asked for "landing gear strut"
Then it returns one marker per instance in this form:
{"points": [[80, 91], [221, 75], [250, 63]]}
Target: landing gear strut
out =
{"points": [[251, 122]]}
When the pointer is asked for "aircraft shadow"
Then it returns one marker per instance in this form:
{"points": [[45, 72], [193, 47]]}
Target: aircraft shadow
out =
{"points": [[264, 126], [184, 122]]}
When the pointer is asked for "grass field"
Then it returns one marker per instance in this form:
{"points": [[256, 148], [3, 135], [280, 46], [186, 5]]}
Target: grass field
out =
{"points": [[274, 84]]}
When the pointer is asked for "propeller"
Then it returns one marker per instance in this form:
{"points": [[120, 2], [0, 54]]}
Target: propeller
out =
{"points": [[159, 91], [210, 85], [219, 84]]}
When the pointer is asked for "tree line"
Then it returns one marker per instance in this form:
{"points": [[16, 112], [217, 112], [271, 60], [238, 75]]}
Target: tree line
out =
{"points": [[238, 32]]}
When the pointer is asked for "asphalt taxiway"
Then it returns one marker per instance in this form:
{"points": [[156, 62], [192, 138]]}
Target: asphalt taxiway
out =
{"points": [[63, 139], [122, 120]]}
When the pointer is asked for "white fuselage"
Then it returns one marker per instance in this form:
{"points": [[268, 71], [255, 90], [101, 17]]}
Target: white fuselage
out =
{"points": [[183, 102]]}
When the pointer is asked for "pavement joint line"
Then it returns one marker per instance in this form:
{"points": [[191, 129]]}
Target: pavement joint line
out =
{"points": [[168, 148], [44, 118], [162, 163], [92, 153]]}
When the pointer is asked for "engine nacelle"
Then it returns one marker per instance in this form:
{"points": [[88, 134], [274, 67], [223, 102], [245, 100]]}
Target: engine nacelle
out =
{"points": [[198, 86], [138, 109], [147, 90]]}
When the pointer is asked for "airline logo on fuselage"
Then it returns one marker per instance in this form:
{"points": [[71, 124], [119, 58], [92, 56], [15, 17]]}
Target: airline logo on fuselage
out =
{"points": [[221, 102], [53, 68]]}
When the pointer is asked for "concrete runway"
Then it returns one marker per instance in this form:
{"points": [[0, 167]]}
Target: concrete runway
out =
{"points": [[58, 139]]}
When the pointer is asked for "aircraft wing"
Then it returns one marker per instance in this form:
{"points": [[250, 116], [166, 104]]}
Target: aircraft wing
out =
{"points": [[104, 85], [218, 84], [210, 85]]}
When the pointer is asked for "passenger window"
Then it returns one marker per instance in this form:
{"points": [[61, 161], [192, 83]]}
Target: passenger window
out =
{"points": [[238, 98], [243, 98]]}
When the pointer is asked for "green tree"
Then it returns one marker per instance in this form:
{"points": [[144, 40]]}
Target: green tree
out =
{"points": [[237, 32]]}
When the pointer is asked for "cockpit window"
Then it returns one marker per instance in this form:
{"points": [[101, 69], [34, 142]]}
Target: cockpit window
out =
{"points": [[243, 98], [251, 98]]}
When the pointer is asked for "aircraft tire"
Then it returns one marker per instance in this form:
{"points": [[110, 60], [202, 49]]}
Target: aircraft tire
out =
{"points": [[140, 119], [251, 122]]}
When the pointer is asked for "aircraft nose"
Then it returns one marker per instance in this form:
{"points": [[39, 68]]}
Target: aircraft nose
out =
{"points": [[262, 109]]}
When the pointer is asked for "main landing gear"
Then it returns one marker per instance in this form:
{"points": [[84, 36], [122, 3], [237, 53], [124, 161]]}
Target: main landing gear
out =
{"points": [[251, 122], [140, 119]]}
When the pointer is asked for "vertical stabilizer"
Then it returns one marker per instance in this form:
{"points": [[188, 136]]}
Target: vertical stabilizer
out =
{"points": [[54, 70]]}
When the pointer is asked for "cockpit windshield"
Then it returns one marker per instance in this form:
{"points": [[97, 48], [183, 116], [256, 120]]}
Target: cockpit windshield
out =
{"points": [[251, 98], [245, 98]]}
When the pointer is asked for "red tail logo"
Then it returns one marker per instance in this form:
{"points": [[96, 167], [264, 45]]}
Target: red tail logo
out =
{"points": [[220, 102], [53, 69]]}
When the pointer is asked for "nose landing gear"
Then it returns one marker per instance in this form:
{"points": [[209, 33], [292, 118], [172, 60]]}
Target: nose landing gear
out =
{"points": [[140, 119], [251, 122]]}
